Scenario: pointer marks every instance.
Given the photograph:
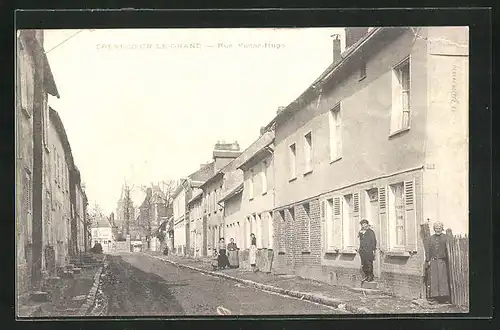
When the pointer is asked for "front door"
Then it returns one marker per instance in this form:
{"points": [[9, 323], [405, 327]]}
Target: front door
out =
{"points": [[373, 217]]}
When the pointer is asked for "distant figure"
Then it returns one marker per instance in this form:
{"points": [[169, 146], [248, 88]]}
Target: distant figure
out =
{"points": [[223, 261], [437, 266], [215, 260], [253, 252], [232, 254], [165, 251], [367, 246], [97, 248]]}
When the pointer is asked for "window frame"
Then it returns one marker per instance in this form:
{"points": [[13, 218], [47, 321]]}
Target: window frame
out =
{"points": [[394, 245], [308, 153], [292, 155], [307, 227], [398, 104], [264, 177], [335, 125], [251, 188]]}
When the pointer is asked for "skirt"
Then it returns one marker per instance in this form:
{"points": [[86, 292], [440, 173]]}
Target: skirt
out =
{"points": [[437, 278], [233, 259], [252, 257], [222, 260]]}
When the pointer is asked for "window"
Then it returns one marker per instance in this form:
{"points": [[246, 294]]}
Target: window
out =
{"points": [[350, 217], [308, 153], [396, 216], [270, 230], [400, 115], [258, 229], [335, 134], [293, 161], [362, 70], [333, 224], [307, 228], [263, 176], [250, 185]]}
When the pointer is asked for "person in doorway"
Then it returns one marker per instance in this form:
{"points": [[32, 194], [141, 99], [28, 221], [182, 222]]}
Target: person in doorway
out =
{"points": [[367, 247], [437, 266], [222, 260], [253, 252]]}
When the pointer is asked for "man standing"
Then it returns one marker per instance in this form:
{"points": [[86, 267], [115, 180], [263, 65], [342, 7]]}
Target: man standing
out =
{"points": [[367, 246], [437, 266]]}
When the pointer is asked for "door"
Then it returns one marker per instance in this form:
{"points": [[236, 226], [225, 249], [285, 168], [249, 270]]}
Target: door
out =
{"points": [[373, 217]]}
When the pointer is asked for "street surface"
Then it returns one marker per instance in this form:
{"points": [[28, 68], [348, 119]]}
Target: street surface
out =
{"points": [[139, 285]]}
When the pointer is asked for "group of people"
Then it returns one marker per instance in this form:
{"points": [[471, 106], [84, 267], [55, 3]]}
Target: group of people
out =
{"points": [[227, 256], [436, 260]]}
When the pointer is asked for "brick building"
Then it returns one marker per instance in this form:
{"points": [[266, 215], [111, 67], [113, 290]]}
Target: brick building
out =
{"points": [[373, 137]]}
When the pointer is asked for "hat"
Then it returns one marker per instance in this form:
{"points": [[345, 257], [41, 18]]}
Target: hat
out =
{"points": [[363, 221]]}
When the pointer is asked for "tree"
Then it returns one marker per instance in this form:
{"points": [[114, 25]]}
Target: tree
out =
{"points": [[127, 204]]}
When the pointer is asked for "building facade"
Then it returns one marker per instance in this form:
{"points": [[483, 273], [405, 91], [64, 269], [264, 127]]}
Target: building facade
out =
{"points": [[373, 138], [59, 229], [34, 81], [102, 233], [213, 218]]}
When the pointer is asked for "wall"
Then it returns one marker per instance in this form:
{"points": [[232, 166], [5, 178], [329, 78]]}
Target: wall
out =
{"points": [[213, 212], [57, 224], [24, 170], [366, 103], [447, 128]]}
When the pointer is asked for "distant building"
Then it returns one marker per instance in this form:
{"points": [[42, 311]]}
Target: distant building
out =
{"points": [[102, 233]]}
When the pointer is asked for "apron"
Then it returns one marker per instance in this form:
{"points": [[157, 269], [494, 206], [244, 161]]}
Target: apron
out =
{"points": [[253, 255], [233, 258]]}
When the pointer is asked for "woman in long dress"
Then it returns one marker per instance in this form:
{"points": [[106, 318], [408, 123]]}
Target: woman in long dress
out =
{"points": [[232, 253], [223, 261], [253, 252], [437, 266]]}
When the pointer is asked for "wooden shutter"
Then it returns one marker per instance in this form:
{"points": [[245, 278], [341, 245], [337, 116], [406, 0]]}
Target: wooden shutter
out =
{"points": [[410, 216], [324, 225], [337, 223], [382, 199], [355, 220]]}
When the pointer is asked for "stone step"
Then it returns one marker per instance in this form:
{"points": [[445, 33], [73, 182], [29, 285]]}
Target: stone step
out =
{"points": [[39, 296]]}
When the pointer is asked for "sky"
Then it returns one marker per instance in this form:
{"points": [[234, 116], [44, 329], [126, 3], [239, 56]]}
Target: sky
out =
{"points": [[148, 105]]}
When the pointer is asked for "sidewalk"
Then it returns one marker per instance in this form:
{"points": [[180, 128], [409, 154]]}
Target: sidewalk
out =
{"points": [[67, 296], [352, 300]]}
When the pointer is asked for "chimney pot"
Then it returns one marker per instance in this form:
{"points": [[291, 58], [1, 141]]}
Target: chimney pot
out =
{"points": [[336, 48]]}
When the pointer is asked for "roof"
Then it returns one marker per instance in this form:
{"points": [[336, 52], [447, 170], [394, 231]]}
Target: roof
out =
{"points": [[102, 222], [58, 124], [196, 195], [32, 42], [315, 87], [233, 192], [256, 149]]}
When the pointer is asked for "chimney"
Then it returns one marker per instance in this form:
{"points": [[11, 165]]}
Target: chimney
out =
{"points": [[336, 48], [353, 34], [224, 153]]}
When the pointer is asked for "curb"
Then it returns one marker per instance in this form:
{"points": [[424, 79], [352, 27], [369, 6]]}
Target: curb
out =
{"points": [[84, 309], [332, 302]]}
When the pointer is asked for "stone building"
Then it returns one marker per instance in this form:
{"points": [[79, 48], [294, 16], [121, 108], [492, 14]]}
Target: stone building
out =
{"points": [[34, 81], [381, 135]]}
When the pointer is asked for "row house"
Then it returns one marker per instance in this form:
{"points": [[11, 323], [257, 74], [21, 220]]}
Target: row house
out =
{"points": [[186, 232], [380, 135], [212, 222], [79, 206], [247, 198], [34, 81]]}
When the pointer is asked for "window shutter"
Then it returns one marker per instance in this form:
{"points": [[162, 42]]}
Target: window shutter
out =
{"points": [[382, 198], [355, 220], [324, 224], [337, 223], [411, 219]]}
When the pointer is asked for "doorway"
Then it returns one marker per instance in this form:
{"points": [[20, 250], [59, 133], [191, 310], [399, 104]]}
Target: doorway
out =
{"points": [[372, 215]]}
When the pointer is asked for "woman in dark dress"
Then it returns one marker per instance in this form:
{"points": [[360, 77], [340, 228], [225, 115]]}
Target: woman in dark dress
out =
{"points": [[232, 253], [223, 260], [367, 246], [437, 266]]}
